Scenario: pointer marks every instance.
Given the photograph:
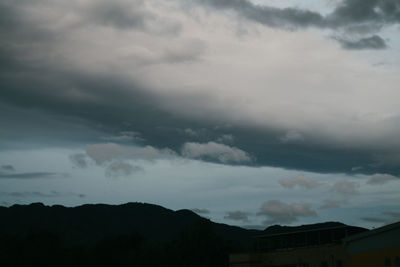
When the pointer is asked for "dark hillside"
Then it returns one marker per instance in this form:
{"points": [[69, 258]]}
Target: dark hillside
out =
{"points": [[132, 234]]}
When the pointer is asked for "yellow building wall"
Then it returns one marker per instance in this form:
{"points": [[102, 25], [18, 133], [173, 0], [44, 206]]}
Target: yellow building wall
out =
{"points": [[380, 258]]}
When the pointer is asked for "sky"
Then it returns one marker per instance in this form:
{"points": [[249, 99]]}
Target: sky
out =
{"points": [[250, 113]]}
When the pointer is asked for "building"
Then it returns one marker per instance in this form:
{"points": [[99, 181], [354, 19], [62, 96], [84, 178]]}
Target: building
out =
{"points": [[375, 248], [317, 245]]}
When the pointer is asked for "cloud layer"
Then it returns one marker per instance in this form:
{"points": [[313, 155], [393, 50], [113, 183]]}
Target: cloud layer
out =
{"points": [[350, 16], [84, 73]]}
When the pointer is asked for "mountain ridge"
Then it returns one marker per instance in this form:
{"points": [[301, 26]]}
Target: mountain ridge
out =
{"points": [[117, 235]]}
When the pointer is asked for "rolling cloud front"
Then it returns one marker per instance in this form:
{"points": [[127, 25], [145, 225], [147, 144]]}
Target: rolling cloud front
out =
{"points": [[233, 99]]}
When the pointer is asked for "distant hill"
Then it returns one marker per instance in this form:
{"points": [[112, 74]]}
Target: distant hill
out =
{"points": [[132, 234], [89, 223]]}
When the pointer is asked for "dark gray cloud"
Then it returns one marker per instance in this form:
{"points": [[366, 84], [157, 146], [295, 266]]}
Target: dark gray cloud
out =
{"points": [[119, 14], [386, 217], [276, 211], [126, 15], [201, 211], [237, 216], [372, 42], [49, 102], [37, 194], [8, 172], [5, 203], [7, 167], [392, 216], [347, 13], [367, 11], [374, 219], [32, 175], [361, 16], [125, 136], [271, 16]]}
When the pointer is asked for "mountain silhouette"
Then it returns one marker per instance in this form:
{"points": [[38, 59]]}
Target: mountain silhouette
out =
{"points": [[132, 234]]}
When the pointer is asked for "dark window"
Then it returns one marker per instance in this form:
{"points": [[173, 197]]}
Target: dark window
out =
{"points": [[388, 262], [339, 263], [324, 264]]}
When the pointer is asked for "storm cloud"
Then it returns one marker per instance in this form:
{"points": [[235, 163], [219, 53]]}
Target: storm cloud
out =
{"points": [[350, 16], [270, 16], [203, 103], [373, 42], [83, 74]]}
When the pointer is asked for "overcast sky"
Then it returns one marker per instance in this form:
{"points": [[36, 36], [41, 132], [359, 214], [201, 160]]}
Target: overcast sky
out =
{"points": [[250, 113]]}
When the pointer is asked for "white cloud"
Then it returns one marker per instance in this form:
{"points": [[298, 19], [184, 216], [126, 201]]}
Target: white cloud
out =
{"points": [[300, 181], [102, 153], [215, 151], [381, 178], [280, 212]]}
